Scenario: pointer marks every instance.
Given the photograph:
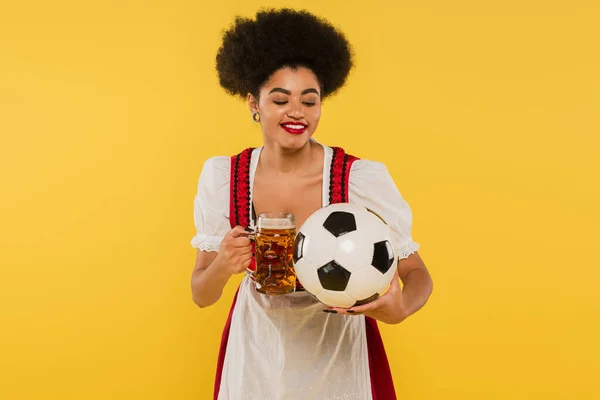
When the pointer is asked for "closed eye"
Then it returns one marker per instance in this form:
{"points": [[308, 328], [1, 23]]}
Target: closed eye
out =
{"points": [[306, 103]]}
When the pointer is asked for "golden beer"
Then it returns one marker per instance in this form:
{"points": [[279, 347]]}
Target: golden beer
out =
{"points": [[274, 239]]}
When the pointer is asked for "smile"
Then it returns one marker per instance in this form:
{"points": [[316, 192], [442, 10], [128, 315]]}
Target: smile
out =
{"points": [[294, 128]]}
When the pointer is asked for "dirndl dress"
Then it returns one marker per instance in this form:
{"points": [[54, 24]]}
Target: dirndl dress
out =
{"points": [[286, 347]]}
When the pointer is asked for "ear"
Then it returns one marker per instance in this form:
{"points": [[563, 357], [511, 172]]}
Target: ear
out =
{"points": [[252, 103]]}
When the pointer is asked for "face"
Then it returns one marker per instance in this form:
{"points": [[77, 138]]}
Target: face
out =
{"points": [[289, 105]]}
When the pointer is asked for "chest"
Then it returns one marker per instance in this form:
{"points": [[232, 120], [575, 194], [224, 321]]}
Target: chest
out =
{"points": [[301, 196]]}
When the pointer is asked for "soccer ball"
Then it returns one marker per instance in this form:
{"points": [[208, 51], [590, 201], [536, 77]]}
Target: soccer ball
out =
{"points": [[344, 255]]}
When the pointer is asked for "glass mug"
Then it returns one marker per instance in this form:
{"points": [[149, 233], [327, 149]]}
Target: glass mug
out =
{"points": [[274, 246]]}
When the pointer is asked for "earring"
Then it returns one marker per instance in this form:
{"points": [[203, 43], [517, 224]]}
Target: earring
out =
{"points": [[255, 116]]}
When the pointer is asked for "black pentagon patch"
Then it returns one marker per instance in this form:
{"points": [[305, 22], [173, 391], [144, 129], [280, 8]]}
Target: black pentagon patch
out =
{"points": [[383, 256], [298, 246], [333, 276], [339, 223], [377, 215], [367, 300]]}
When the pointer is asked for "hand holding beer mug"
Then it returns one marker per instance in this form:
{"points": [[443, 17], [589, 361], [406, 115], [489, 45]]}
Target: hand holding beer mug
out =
{"points": [[274, 246]]}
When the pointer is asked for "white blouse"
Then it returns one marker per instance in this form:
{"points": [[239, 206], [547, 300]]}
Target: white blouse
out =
{"points": [[370, 185]]}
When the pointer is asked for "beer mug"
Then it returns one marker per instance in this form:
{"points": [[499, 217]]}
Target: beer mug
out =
{"points": [[274, 246]]}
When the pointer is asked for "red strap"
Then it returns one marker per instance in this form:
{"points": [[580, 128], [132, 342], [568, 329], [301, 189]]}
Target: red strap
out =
{"points": [[239, 193], [239, 189], [341, 163]]}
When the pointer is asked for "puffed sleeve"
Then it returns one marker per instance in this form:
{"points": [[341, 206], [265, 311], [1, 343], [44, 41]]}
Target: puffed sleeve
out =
{"points": [[211, 204], [372, 186]]}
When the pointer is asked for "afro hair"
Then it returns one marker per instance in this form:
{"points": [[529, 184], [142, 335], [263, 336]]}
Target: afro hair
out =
{"points": [[252, 50]]}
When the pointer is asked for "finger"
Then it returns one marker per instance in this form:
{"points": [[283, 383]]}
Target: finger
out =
{"points": [[239, 258], [340, 310], [236, 232], [368, 307], [343, 311], [246, 263], [357, 310], [246, 253], [240, 242]]}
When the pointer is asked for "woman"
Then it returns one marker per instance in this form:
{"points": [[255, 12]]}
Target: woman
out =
{"points": [[285, 63]]}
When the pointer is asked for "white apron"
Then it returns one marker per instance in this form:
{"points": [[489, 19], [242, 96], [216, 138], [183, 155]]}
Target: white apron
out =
{"points": [[287, 348]]}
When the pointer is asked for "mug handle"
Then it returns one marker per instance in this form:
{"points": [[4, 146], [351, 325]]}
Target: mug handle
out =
{"points": [[252, 236]]}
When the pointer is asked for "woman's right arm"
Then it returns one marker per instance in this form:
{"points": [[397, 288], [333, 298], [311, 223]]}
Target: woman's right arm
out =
{"points": [[213, 269]]}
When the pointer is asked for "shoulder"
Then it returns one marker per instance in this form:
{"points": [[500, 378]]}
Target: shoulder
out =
{"points": [[372, 178], [215, 173], [217, 163], [361, 170], [359, 165], [368, 171], [363, 166]]}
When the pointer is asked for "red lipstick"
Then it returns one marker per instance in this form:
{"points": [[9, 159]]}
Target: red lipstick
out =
{"points": [[295, 128]]}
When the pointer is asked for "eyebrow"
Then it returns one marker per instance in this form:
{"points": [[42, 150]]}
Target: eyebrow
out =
{"points": [[284, 91]]}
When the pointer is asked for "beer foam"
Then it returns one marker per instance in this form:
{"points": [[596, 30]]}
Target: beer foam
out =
{"points": [[276, 223]]}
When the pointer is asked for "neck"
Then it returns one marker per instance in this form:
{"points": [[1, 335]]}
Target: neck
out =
{"points": [[280, 160]]}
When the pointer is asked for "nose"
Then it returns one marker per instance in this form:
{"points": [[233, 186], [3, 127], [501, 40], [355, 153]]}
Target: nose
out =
{"points": [[295, 111]]}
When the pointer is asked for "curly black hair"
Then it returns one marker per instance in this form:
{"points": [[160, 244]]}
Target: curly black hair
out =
{"points": [[252, 50]]}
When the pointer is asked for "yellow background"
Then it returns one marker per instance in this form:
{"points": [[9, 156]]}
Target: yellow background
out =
{"points": [[486, 114]]}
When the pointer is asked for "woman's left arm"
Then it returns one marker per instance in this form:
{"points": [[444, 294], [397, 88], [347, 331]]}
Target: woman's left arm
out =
{"points": [[397, 304], [372, 186]]}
